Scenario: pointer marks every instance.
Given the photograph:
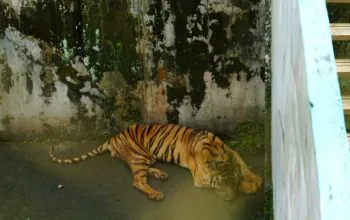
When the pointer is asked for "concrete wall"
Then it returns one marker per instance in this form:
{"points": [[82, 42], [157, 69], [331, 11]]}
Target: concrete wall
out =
{"points": [[87, 68], [310, 153]]}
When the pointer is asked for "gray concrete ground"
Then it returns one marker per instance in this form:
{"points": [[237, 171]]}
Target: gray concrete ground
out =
{"points": [[101, 188]]}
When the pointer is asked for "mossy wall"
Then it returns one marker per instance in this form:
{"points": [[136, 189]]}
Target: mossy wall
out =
{"points": [[88, 68]]}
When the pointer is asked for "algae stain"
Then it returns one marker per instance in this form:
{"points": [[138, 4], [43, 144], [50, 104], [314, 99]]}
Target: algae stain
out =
{"points": [[6, 121], [47, 77], [175, 94], [29, 82], [6, 79], [67, 52]]}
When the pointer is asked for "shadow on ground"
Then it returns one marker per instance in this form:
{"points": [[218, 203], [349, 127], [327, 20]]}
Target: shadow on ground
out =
{"points": [[101, 188]]}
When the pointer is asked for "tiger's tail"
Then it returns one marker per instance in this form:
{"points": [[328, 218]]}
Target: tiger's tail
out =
{"points": [[95, 152]]}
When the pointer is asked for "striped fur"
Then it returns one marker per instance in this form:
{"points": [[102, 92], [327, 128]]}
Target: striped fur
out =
{"points": [[211, 163]]}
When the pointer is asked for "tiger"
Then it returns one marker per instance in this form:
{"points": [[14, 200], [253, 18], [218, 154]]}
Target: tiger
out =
{"points": [[212, 163]]}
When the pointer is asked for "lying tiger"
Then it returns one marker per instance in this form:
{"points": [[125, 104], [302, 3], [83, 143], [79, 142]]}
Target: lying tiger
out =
{"points": [[211, 162]]}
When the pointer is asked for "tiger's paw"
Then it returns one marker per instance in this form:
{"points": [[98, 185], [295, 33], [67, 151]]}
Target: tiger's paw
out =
{"points": [[161, 175], [255, 179], [158, 174], [248, 187], [157, 196]]}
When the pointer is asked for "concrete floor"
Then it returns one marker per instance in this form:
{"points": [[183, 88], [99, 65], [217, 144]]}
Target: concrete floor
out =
{"points": [[101, 188]]}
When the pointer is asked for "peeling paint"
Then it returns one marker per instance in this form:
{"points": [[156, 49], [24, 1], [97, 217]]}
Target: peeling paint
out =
{"points": [[45, 96], [220, 112], [154, 101]]}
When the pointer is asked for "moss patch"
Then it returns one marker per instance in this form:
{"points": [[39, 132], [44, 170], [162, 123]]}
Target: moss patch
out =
{"points": [[268, 207], [248, 137], [344, 84]]}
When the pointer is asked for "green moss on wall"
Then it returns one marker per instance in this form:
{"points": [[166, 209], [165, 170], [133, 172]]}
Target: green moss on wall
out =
{"points": [[45, 20], [248, 137], [109, 40], [7, 16]]}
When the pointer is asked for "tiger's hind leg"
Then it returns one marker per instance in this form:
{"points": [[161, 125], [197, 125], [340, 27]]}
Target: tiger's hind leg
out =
{"points": [[140, 171], [157, 173]]}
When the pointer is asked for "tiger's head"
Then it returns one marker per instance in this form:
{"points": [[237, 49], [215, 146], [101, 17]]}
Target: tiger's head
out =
{"points": [[215, 168], [220, 171], [224, 178]]}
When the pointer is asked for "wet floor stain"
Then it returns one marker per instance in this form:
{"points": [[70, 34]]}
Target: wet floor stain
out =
{"points": [[101, 188]]}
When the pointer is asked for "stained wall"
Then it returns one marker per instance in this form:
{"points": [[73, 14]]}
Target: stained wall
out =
{"points": [[85, 68]]}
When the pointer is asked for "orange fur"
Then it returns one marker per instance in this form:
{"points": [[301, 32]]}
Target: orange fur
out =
{"points": [[211, 163]]}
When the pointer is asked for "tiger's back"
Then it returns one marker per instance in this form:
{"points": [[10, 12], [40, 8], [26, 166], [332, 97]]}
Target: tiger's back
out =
{"points": [[165, 142]]}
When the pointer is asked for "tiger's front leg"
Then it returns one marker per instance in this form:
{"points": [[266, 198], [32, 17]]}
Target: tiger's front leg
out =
{"points": [[140, 171], [200, 179]]}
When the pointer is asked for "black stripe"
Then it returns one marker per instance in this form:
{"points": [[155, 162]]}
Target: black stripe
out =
{"points": [[210, 151], [150, 142], [149, 128], [143, 136], [156, 136], [202, 136], [166, 153], [130, 133], [141, 163], [191, 137], [184, 134], [131, 148], [172, 149], [158, 128], [159, 145], [222, 146], [136, 132], [177, 131], [206, 144], [139, 171], [178, 161], [162, 138], [137, 145]]}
